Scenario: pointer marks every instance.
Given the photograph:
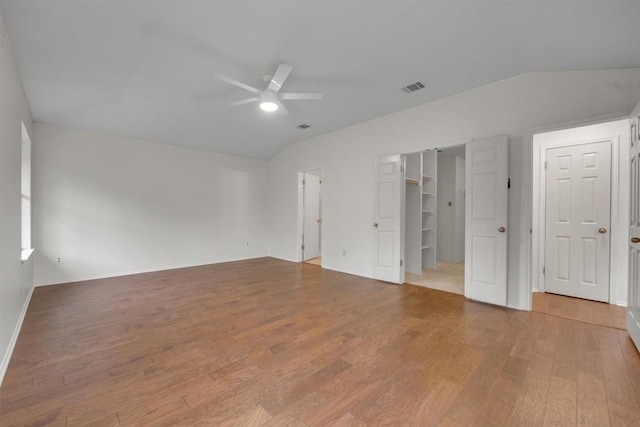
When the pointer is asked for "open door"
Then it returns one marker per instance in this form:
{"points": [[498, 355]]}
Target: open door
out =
{"points": [[486, 225], [387, 219], [311, 219], [633, 303]]}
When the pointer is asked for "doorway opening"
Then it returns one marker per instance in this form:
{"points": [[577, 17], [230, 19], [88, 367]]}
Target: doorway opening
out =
{"points": [[580, 221], [435, 219], [310, 216], [486, 217]]}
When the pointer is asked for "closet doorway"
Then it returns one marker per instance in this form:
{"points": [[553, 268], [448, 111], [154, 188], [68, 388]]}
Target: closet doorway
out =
{"points": [[435, 219], [310, 207]]}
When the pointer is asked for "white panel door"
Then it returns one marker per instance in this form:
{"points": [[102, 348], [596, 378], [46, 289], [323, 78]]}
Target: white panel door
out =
{"points": [[577, 220], [486, 202], [311, 220], [387, 217], [633, 302]]}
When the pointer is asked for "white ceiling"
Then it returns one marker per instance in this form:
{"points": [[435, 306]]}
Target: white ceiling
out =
{"points": [[144, 69]]}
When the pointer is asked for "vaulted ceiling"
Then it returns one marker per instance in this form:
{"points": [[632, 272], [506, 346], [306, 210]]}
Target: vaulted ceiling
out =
{"points": [[144, 69]]}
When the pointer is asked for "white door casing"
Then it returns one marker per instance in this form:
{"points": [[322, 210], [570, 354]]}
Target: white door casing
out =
{"points": [[633, 301], [311, 194], [387, 218], [486, 214], [617, 132], [578, 220]]}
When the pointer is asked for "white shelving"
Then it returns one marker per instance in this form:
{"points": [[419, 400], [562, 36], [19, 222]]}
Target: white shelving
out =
{"points": [[429, 194], [420, 221], [413, 188]]}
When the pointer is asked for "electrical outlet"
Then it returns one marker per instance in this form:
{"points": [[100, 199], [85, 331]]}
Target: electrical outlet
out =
{"points": [[59, 260]]}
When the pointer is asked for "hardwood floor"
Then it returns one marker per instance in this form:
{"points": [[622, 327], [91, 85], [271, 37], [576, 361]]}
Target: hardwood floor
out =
{"points": [[273, 343], [598, 313]]}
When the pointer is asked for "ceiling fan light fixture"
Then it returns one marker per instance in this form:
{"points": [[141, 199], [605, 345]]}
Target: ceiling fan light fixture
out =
{"points": [[268, 106], [269, 98]]}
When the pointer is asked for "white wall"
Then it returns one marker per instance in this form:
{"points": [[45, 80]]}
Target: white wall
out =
{"points": [[636, 111], [15, 276], [445, 213], [450, 219], [110, 206], [346, 157]]}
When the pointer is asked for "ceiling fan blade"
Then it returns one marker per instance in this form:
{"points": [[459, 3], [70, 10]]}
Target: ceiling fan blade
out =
{"points": [[279, 77], [281, 109], [236, 83], [244, 101], [305, 96]]}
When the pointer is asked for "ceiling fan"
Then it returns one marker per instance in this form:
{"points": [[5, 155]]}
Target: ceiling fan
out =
{"points": [[270, 97]]}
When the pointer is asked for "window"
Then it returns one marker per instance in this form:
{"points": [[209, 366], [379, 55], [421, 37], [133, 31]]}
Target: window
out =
{"points": [[25, 184]]}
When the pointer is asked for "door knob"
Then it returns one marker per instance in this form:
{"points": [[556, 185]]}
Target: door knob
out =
{"points": [[375, 224], [602, 230], [502, 229], [635, 240]]}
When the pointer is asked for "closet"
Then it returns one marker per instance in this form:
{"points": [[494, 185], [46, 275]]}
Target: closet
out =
{"points": [[421, 172]]}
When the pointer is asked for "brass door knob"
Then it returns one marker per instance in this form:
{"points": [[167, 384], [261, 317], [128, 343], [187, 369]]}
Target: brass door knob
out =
{"points": [[502, 229], [602, 230], [635, 240], [375, 224]]}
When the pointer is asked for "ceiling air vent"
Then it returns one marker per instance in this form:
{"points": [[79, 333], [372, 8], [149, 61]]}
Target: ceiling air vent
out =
{"points": [[414, 87], [303, 126]]}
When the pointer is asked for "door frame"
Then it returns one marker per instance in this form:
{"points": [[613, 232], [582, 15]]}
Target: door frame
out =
{"points": [[403, 205], [300, 222], [618, 258]]}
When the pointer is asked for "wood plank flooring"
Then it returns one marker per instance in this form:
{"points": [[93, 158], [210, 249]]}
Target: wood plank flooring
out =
{"points": [[270, 343]]}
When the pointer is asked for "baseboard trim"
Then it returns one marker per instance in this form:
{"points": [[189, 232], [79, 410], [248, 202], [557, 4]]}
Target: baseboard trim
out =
{"points": [[14, 337], [89, 278]]}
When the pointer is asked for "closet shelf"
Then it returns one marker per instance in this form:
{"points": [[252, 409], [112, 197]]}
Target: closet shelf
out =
{"points": [[420, 209], [411, 181]]}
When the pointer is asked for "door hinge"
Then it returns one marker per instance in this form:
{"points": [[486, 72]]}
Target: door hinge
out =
{"points": [[304, 182], [401, 168], [545, 164], [543, 270], [508, 182], [400, 263], [320, 181], [302, 247]]}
